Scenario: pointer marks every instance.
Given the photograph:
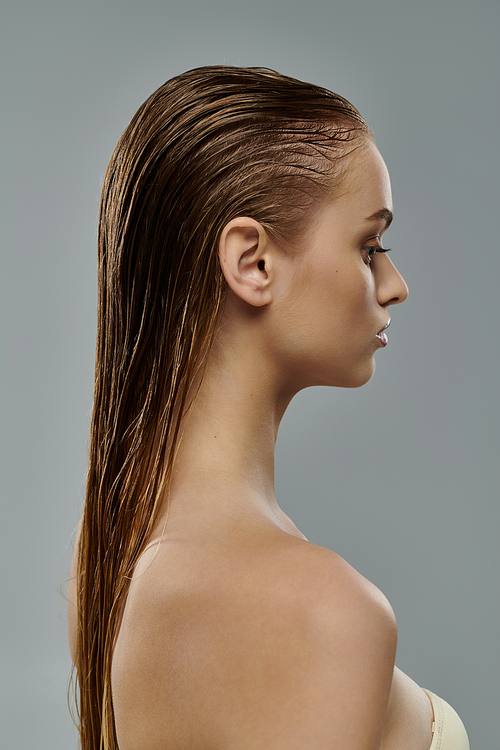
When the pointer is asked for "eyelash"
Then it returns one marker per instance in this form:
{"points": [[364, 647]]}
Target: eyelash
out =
{"points": [[370, 251]]}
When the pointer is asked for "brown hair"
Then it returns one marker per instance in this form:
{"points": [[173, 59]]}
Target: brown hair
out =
{"points": [[209, 145]]}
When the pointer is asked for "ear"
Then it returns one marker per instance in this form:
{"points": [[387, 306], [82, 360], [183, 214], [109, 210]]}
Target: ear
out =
{"points": [[246, 260]]}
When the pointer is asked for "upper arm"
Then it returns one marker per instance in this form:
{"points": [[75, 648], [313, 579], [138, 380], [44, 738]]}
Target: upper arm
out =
{"points": [[354, 664]]}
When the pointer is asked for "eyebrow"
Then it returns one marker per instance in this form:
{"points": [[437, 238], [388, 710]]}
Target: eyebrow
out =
{"points": [[384, 215]]}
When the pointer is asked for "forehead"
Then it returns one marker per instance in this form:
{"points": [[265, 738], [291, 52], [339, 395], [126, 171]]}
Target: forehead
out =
{"points": [[364, 202], [366, 179]]}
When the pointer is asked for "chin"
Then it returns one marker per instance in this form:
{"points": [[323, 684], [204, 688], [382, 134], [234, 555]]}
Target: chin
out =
{"points": [[348, 377], [359, 378]]}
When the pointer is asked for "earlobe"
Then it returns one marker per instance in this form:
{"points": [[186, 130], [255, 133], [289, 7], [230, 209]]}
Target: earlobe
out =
{"points": [[245, 260]]}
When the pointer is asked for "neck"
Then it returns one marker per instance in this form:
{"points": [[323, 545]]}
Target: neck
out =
{"points": [[224, 469]]}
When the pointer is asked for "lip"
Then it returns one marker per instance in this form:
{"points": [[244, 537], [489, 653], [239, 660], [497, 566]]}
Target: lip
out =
{"points": [[381, 335]]}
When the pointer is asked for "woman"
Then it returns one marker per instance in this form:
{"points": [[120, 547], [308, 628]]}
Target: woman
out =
{"points": [[240, 260]]}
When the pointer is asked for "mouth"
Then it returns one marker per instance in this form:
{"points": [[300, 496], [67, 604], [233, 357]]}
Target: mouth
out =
{"points": [[381, 335]]}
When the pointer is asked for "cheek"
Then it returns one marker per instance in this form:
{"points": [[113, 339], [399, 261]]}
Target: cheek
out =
{"points": [[326, 328], [358, 300], [346, 297], [328, 305], [330, 308]]}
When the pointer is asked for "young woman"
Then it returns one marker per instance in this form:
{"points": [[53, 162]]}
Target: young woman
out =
{"points": [[240, 260]]}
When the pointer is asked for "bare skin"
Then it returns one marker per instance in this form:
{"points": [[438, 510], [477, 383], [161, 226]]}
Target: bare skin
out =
{"points": [[237, 633]]}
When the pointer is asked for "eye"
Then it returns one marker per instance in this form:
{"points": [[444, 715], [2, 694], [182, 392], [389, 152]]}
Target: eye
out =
{"points": [[370, 250]]}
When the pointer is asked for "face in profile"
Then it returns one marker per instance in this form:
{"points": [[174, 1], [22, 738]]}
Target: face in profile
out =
{"points": [[338, 304]]}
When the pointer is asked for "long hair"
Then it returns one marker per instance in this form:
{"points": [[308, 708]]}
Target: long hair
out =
{"points": [[209, 145]]}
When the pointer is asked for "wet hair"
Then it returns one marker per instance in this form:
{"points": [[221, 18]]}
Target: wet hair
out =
{"points": [[209, 145]]}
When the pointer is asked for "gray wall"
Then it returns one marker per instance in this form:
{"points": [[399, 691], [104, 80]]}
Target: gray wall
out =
{"points": [[400, 477]]}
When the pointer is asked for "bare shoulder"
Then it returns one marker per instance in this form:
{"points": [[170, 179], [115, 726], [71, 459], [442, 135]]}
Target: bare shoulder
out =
{"points": [[293, 648], [319, 585], [333, 642], [351, 617], [314, 652], [332, 587]]}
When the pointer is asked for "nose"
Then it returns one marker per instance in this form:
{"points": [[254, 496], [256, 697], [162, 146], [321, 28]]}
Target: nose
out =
{"points": [[391, 287]]}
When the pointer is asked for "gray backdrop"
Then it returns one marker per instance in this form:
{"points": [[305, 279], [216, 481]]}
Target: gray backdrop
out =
{"points": [[400, 477]]}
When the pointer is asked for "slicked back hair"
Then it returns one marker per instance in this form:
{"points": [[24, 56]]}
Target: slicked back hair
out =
{"points": [[209, 145]]}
